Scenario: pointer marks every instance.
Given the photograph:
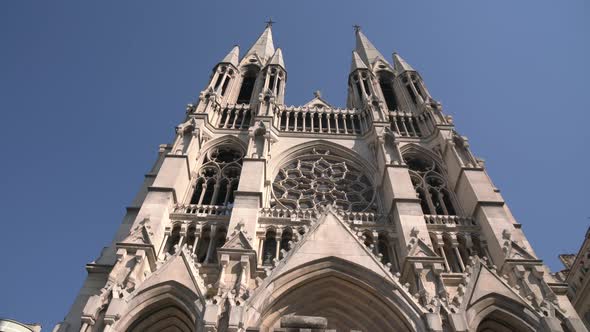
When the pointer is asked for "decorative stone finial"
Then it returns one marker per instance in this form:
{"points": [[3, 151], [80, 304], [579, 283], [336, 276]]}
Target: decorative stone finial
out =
{"points": [[317, 94]]}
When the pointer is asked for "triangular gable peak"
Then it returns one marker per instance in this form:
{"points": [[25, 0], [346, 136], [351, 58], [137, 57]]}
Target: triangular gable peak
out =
{"points": [[380, 64], [178, 268], [482, 282], [421, 249], [331, 237], [317, 102], [239, 241], [252, 59]]}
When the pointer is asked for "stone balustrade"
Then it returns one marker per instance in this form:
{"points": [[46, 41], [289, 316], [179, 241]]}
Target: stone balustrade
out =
{"points": [[322, 120], [238, 116], [357, 218], [407, 124], [360, 218], [203, 210], [289, 214], [448, 220]]}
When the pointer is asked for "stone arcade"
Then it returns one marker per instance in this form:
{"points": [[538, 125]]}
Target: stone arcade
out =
{"points": [[267, 217]]}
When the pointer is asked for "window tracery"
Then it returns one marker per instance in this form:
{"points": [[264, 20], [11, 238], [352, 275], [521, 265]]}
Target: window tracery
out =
{"points": [[218, 177], [431, 186], [319, 179]]}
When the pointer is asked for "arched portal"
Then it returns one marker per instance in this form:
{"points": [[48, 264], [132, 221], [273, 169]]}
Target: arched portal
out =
{"points": [[167, 306], [497, 313], [349, 296], [163, 317], [501, 321]]}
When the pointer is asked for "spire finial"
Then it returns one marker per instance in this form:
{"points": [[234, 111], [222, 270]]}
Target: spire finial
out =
{"points": [[357, 28], [270, 22]]}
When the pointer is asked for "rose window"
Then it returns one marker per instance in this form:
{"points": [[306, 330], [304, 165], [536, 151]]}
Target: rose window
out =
{"points": [[311, 181]]}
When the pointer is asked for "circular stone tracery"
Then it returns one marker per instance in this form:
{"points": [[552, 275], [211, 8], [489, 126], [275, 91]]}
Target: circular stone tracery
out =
{"points": [[319, 179]]}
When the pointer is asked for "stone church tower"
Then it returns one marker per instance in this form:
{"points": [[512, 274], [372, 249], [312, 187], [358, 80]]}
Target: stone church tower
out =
{"points": [[266, 217]]}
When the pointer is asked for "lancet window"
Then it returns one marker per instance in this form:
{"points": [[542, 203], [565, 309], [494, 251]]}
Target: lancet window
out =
{"points": [[173, 240], [431, 186], [386, 85], [248, 82], [286, 237], [218, 177], [319, 179], [275, 78], [224, 75], [269, 247]]}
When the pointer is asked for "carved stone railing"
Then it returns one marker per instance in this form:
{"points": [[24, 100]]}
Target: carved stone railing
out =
{"points": [[360, 218], [407, 124], [321, 120], [237, 116], [449, 220], [356, 218], [289, 214], [203, 210]]}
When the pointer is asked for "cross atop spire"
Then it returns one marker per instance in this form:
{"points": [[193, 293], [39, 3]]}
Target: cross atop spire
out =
{"points": [[357, 28], [270, 22]]}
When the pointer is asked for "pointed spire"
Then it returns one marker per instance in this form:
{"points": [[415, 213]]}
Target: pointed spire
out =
{"points": [[366, 49], [400, 65], [233, 56], [263, 47], [277, 58], [357, 63]]}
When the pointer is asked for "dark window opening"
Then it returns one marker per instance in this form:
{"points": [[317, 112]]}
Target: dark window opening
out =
{"points": [[218, 81], [248, 83], [367, 90], [412, 94], [269, 248], [271, 82], [224, 87], [386, 85]]}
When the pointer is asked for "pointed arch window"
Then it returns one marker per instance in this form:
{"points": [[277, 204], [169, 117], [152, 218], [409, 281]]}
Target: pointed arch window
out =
{"points": [[218, 177], [269, 247], [386, 85], [173, 240], [431, 186], [248, 82], [286, 237]]}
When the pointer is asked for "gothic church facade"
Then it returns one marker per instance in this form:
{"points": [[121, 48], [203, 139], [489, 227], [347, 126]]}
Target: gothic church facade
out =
{"points": [[266, 217]]}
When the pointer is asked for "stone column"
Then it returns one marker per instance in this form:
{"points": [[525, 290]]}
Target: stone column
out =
{"points": [[212, 240]]}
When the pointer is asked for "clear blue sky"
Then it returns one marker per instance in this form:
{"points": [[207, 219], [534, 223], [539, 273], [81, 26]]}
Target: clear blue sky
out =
{"points": [[89, 89]]}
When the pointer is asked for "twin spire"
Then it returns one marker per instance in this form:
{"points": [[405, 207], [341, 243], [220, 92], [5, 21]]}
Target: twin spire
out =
{"points": [[365, 55]]}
